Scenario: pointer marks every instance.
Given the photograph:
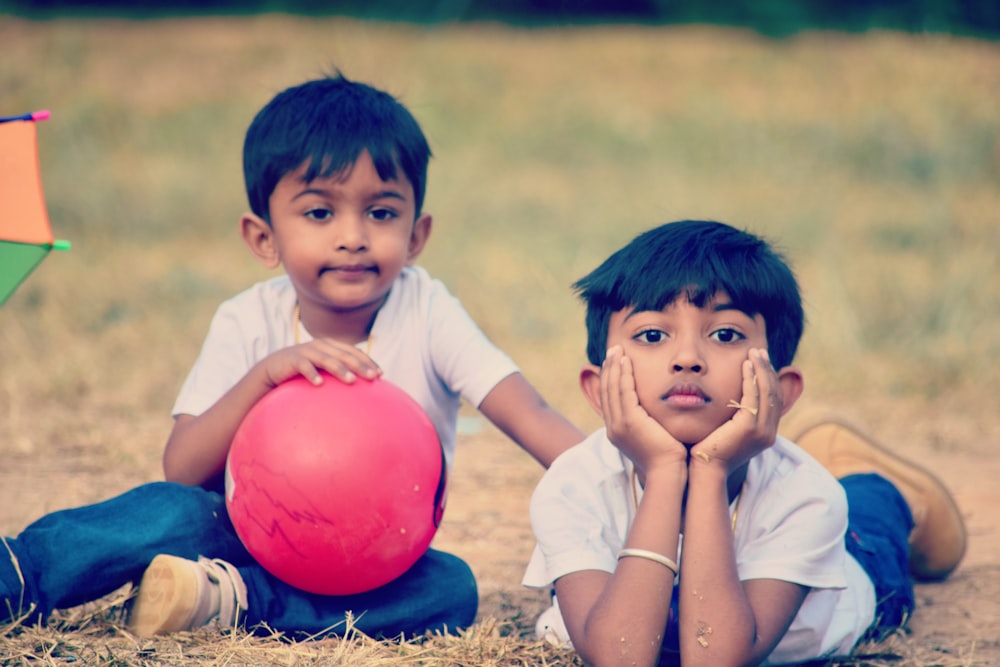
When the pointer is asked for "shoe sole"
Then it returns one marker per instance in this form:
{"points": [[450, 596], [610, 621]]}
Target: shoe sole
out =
{"points": [[938, 542], [166, 598]]}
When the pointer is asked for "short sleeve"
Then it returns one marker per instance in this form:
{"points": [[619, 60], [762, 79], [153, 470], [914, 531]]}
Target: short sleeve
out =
{"points": [[579, 514], [244, 330], [222, 362], [462, 355], [794, 530]]}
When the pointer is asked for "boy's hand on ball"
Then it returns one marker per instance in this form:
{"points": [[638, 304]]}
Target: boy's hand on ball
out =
{"points": [[344, 362]]}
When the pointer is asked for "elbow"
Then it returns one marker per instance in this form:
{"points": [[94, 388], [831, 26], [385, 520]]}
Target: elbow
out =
{"points": [[180, 472], [618, 651], [184, 462], [622, 659], [719, 658], [172, 472]]}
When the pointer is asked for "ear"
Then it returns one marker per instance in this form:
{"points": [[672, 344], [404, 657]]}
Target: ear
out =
{"points": [[791, 385], [590, 383], [259, 237], [418, 237]]}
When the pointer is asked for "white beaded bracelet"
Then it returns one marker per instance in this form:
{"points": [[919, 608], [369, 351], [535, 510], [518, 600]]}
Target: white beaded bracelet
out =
{"points": [[668, 563]]}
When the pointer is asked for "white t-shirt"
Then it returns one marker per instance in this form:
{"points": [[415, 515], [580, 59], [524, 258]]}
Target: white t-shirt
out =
{"points": [[422, 338], [790, 526]]}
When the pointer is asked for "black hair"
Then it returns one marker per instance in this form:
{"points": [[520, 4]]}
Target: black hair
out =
{"points": [[328, 122], [696, 259]]}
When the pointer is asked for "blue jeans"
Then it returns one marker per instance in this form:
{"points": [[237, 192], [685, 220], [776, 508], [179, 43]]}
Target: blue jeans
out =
{"points": [[74, 556], [878, 536]]}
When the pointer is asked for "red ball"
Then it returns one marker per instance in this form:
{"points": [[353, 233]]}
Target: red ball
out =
{"points": [[338, 488]]}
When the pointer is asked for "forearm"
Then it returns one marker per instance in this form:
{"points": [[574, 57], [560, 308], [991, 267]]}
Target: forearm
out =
{"points": [[518, 410], [548, 436], [627, 622], [717, 625], [197, 448]]}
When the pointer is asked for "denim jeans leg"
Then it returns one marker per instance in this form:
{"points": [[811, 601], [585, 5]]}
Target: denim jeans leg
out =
{"points": [[878, 531], [74, 556], [438, 593]]}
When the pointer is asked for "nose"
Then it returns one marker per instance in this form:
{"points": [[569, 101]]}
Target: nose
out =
{"points": [[687, 355], [350, 233]]}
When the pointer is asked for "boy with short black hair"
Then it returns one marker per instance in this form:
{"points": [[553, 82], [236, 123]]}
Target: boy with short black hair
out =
{"points": [[692, 330], [335, 174]]}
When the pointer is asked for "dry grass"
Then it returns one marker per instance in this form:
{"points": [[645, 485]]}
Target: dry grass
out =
{"points": [[96, 635], [873, 160], [99, 637]]}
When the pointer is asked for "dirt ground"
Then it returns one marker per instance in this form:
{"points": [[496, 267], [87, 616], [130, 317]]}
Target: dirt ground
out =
{"points": [[486, 523]]}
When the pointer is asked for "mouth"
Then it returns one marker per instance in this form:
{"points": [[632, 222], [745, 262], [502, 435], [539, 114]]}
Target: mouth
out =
{"points": [[352, 270], [686, 396]]}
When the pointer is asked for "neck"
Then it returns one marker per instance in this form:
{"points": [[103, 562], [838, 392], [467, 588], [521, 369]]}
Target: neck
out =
{"points": [[350, 326]]}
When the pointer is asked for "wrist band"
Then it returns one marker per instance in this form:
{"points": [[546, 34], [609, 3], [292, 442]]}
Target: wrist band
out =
{"points": [[668, 563]]}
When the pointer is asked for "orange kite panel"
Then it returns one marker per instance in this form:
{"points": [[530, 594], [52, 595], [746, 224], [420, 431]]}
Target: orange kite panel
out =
{"points": [[23, 217]]}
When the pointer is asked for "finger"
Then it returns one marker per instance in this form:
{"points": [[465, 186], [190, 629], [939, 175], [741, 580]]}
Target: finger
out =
{"points": [[334, 363], [769, 396], [629, 394], [750, 400], [631, 414], [611, 386], [340, 360], [309, 371], [339, 371], [359, 362]]}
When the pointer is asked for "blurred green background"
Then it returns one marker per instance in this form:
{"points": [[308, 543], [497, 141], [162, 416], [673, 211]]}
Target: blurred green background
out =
{"points": [[771, 17], [872, 159]]}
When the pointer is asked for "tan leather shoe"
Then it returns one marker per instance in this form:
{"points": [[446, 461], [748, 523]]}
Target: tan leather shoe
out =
{"points": [[938, 539], [178, 594]]}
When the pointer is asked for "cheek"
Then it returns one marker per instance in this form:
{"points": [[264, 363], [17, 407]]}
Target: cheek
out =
{"points": [[732, 385], [390, 243], [646, 385], [299, 253]]}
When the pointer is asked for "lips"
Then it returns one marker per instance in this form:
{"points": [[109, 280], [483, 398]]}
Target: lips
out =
{"points": [[686, 395], [352, 270]]}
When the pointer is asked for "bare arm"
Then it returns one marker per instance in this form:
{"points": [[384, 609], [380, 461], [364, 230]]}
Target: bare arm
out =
{"points": [[619, 619], [518, 410], [724, 621], [197, 447]]}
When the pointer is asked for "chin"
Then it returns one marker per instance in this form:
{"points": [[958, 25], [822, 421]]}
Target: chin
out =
{"points": [[689, 437]]}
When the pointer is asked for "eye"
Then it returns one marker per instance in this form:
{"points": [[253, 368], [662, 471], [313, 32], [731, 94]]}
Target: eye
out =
{"points": [[651, 336], [319, 214], [726, 335], [382, 214]]}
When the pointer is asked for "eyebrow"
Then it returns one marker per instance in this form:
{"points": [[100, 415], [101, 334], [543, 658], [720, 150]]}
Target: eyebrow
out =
{"points": [[390, 194], [721, 307], [384, 194], [728, 306]]}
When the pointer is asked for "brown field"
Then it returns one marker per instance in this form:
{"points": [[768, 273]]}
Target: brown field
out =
{"points": [[873, 160]]}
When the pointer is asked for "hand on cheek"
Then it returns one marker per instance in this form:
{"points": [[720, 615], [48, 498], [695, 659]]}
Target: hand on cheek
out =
{"points": [[629, 426]]}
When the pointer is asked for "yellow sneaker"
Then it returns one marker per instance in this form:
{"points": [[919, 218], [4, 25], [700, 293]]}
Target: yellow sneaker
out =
{"points": [[178, 594], [937, 542]]}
